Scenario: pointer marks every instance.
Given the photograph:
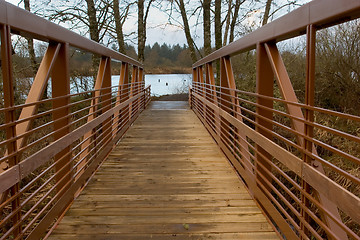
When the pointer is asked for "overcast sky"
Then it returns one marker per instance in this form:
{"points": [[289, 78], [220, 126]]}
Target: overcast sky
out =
{"points": [[159, 31]]}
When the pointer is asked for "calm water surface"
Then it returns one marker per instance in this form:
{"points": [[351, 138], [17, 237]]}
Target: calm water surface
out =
{"points": [[164, 84]]}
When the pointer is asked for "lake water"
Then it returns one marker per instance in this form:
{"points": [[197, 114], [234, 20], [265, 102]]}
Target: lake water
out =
{"points": [[164, 84]]}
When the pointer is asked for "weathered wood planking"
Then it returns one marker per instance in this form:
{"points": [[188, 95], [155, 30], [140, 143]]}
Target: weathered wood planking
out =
{"points": [[166, 179]]}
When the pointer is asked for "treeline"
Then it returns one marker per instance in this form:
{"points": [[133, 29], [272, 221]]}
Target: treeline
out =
{"points": [[167, 59]]}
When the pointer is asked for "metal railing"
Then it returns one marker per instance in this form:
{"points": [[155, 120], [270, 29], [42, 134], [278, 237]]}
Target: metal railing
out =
{"points": [[270, 140], [49, 148]]}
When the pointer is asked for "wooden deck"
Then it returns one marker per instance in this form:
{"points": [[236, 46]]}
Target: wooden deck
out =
{"points": [[166, 179]]}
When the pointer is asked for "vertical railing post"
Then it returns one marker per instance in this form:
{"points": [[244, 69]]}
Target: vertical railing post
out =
{"points": [[309, 114], [202, 90], [194, 84], [230, 103], [120, 97], [134, 79], [61, 88], [210, 80], [141, 88], [125, 93], [93, 111], [9, 102], [264, 87], [106, 97], [288, 94]]}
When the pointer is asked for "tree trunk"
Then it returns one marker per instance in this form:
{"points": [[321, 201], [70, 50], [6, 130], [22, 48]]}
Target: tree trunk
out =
{"points": [[141, 36], [93, 24], [218, 32], [207, 27], [267, 12], [94, 32], [189, 39], [118, 27], [227, 26], [31, 44], [233, 22]]}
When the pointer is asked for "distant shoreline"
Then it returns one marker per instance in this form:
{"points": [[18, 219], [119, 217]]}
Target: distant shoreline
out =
{"points": [[168, 70]]}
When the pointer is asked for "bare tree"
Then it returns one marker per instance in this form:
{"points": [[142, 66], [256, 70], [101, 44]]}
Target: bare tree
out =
{"points": [[218, 25], [31, 44], [89, 15], [142, 27], [207, 26], [119, 20], [227, 24], [186, 27], [267, 12], [234, 19]]}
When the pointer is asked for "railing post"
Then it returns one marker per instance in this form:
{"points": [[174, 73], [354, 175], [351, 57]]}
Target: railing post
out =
{"points": [[91, 140], [9, 101], [232, 106], [106, 97], [134, 79], [120, 97], [210, 80], [202, 90], [264, 87], [141, 88], [125, 93], [37, 91], [61, 88], [288, 94]]}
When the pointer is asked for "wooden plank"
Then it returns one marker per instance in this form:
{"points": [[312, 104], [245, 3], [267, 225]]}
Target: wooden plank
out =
{"points": [[179, 227], [166, 178], [161, 211], [219, 236]]}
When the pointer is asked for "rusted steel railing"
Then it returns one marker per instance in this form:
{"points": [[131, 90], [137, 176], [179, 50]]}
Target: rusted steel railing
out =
{"points": [[50, 147], [270, 140]]}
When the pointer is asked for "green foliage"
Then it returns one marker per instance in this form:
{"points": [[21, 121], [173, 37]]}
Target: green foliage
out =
{"points": [[166, 56]]}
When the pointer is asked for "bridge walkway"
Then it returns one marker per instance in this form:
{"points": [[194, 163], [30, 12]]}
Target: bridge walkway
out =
{"points": [[166, 179]]}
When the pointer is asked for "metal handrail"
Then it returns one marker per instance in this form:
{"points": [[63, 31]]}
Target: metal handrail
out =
{"points": [[275, 149], [50, 155]]}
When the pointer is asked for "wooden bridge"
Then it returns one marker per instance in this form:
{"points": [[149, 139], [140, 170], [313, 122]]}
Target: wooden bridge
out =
{"points": [[229, 164]]}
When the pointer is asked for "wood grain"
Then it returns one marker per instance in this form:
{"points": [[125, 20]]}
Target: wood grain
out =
{"points": [[166, 179]]}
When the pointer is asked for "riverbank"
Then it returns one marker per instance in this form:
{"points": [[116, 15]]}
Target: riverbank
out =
{"points": [[172, 97], [168, 70]]}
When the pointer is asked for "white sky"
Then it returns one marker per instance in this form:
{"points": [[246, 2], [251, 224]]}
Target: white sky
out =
{"points": [[158, 31]]}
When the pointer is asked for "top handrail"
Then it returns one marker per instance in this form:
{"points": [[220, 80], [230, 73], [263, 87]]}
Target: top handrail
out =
{"points": [[43, 29], [321, 13]]}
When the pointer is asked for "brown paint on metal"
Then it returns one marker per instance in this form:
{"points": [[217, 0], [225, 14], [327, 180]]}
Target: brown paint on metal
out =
{"points": [[140, 86], [106, 96], [229, 83], [90, 142], [9, 101], [58, 208], [44, 155], [265, 87], [61, 87], [36, 91], [288, 94], [134, 79], [248, 176], [123, 70], [125, 93], [309, 115]]}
